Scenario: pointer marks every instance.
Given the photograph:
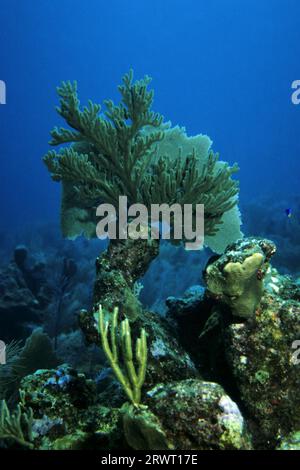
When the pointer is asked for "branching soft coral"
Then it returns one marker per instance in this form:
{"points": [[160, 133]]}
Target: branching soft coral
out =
{"points": [[114, 156], [123, 152]]}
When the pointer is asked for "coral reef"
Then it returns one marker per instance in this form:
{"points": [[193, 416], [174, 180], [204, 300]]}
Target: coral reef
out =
{"points": [[217, 369], [261, 358], [166, 360], [255, 352], [213, 380], [198, 415], [66, 414]]}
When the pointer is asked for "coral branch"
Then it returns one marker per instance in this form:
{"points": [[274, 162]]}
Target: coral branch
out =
{"points": [[131, 382]]}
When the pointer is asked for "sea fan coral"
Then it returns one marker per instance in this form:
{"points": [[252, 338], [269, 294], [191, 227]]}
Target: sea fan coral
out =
{"points": [[128, 151]]}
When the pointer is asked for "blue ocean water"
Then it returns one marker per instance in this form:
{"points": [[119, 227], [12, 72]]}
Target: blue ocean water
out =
{"points": [[223, 68]]}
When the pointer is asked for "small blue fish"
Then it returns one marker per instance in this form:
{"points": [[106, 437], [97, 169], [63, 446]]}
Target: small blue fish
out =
{"points": [[288, 213]]}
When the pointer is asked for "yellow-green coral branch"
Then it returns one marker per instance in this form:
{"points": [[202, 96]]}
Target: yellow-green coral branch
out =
{"points": [[132, 380]]}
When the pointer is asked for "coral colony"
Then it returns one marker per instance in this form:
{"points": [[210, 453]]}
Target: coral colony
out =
{"points": [[217, 369]]}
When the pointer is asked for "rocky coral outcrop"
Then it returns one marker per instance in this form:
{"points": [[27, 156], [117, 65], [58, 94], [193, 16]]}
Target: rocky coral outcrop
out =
{"points": [[67, 414], [214, 379], [117, 270], [236, 277], [265, 368], [254, 357], [189, 414]]}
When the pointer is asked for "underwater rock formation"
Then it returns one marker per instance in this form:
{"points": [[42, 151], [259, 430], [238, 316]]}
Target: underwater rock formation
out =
{"points": [[260, 354], [198, 415], [256, 350], [117, 271], [214, 380], [236, 277], [189, 414], [66, 413]]}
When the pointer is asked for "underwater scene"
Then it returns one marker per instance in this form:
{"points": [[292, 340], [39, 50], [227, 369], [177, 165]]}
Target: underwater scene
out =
{"points": [[150, 227]]}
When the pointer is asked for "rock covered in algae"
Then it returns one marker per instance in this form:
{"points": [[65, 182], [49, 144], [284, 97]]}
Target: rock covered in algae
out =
{"points": [[263, 360], [117, 270], [167, 359], [66, 412], [258, 353], [195, 414], [236, 277], [181, 306]]}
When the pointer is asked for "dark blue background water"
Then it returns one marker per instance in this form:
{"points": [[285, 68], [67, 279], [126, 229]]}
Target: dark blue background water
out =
{"points": [[221, 67]]}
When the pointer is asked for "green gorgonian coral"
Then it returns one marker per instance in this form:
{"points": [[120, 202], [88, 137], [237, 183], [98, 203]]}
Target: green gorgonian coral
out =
{"points": [[130, 377], [128, 151]]}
